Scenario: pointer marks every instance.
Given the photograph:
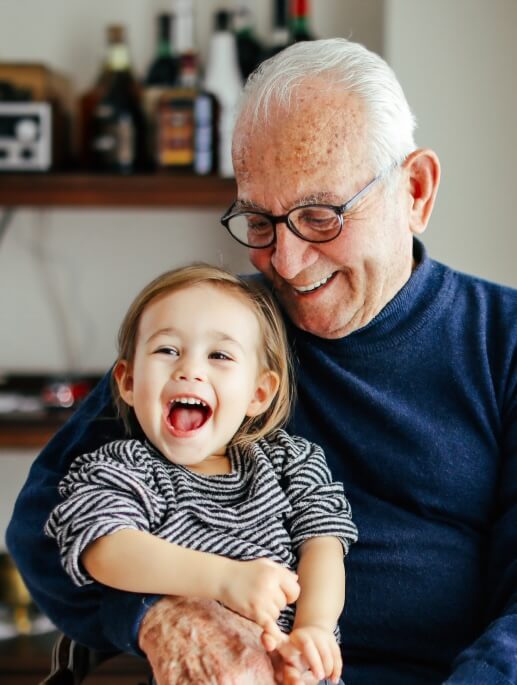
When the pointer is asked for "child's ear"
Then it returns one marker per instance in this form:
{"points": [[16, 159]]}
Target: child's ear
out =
{"points": [[265, 391], [124, 378]]}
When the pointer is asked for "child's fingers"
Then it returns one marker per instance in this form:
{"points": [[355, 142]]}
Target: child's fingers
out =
{"points": [[338, 664], [290, 586], [311, 655], [272, 637]]}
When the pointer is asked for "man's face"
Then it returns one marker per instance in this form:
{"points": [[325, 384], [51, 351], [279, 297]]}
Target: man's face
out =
{"points": [[317, 153]]}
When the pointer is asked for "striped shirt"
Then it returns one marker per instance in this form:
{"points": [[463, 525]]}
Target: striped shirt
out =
{"points": [[278, 494]]}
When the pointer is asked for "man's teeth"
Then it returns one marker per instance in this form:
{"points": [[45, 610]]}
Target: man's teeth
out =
{"points": [[190, 400], [312, 286]]}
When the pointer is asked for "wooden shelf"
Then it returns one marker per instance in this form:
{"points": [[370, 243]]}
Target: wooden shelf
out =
{"points": [[90, 190], [27, 435]]}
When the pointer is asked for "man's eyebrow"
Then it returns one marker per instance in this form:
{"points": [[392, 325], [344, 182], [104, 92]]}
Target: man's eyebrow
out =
{"points": [[311, 199]]}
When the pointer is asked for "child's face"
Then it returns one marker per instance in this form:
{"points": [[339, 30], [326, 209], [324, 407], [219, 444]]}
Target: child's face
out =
{"points": [[196, 372]]}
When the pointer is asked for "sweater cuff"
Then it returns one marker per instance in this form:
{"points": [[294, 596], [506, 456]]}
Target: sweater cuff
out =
{"points": [[478, 672], [122, 613]]}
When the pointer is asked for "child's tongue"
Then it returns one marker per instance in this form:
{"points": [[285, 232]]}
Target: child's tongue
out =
{"points": [[184, 419]]}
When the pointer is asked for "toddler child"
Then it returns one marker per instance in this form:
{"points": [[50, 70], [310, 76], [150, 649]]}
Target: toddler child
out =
{"points": [[210, 497]]}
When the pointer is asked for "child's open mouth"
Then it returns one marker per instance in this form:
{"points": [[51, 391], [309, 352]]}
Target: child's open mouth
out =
{"points": [[187, 414]]}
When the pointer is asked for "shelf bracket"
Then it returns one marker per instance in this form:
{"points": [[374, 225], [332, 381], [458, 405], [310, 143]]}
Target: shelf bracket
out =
{"points": [[5, 220]]}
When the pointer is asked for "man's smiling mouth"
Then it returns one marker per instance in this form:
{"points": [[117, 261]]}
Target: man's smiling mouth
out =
{"points": [[304, 289]]}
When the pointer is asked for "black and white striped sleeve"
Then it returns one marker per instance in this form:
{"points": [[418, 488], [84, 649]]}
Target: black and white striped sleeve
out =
{"points": [[104, 491], [320, 507]]}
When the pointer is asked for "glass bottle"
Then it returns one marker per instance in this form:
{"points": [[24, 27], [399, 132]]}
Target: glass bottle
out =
{"points": [[249, 48], [164, 69], [117, 122], [281, 36], [185, 43], [223, 79], [162, 75], [300, 22]]}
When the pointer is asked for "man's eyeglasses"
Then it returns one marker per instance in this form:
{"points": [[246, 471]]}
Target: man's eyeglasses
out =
{"points": [[318, 223]]}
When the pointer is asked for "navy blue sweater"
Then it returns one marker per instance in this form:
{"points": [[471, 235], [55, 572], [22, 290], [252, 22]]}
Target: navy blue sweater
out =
{"points": [[417, 413]]}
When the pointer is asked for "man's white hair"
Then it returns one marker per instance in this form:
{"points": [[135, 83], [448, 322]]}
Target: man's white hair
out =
{"points": [[343, 64]]}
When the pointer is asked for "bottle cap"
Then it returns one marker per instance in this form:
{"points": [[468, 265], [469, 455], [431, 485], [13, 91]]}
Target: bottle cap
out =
{"points": [[222, 20]]}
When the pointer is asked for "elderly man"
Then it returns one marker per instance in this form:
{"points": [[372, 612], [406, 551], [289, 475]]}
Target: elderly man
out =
{"points": [[406, 375]]}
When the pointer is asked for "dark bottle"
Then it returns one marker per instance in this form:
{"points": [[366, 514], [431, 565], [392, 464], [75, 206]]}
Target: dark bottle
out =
{"points": [[300, 22], [249, 48], [164, 69], [118, 125], [162, 75], [281, 36], [86, 109]]}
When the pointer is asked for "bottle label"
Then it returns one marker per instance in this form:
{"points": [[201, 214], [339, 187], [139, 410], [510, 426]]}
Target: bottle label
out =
{"points": [[175, 132]]}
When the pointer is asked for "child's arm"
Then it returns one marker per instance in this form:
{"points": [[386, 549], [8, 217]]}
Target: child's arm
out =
{"points": [[137, 561], [321, 576]]}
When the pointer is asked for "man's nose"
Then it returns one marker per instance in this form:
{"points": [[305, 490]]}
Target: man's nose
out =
{"points": [[291, 254]]}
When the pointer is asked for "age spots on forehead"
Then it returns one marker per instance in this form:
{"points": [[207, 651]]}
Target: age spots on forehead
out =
{"points": [[319, 130]]}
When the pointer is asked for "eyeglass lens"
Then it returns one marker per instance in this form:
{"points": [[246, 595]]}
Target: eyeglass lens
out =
{"points": [[313, 223]]}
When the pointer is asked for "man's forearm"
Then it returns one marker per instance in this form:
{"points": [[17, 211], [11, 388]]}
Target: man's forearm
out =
{"points": [[200, 641]]}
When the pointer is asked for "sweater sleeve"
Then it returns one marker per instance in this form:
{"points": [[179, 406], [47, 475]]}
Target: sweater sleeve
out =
{"points": [[104, 491], [101, 618], [319, 505], [492, 658]]}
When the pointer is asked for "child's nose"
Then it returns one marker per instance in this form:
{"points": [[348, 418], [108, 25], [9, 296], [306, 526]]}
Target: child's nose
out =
{"points": [[189, 370]]}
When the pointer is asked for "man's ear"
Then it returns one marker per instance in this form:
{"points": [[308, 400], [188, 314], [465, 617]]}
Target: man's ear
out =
{"points": [[124, 378], [265, 391], [423, 167]]}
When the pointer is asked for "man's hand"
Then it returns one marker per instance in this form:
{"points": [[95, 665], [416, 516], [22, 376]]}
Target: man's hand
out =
{"points": [[193, 642], [259, 590]]}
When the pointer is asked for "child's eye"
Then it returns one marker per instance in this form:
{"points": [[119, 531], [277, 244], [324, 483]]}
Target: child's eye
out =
{"points": [[220, 355], [166, 349]]}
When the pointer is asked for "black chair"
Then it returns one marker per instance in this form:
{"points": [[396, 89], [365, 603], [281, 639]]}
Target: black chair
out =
{"points": [[72, 663]]}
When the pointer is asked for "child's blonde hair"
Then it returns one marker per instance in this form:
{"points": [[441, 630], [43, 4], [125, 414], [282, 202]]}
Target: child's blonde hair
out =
{"points": [[273, 353]]}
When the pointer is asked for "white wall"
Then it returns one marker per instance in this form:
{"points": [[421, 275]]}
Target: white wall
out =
{"points": [[66, 277], [456, 60]]}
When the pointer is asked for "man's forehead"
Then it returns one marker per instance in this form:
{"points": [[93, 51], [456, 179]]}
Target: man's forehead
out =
{"points": [[313, 128], [304, 150]]}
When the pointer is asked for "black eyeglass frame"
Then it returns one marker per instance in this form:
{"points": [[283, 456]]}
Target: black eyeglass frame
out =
{"points": [[284, 218]]}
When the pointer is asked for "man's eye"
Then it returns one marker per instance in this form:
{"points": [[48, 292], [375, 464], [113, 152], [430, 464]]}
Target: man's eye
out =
{"points": [[258, 224], [318, 219]]}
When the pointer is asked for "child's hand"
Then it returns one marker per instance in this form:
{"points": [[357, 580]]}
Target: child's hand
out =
{"points": [[259, 590], [312, 648]]}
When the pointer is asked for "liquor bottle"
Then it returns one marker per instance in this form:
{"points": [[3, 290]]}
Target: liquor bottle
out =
{"points": [[249, 48], [162, 74], [185, 43], [164, 69], [300, 23], [281, 36], [223, 80], [86, 108], [206, 114], [117, 123]]}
